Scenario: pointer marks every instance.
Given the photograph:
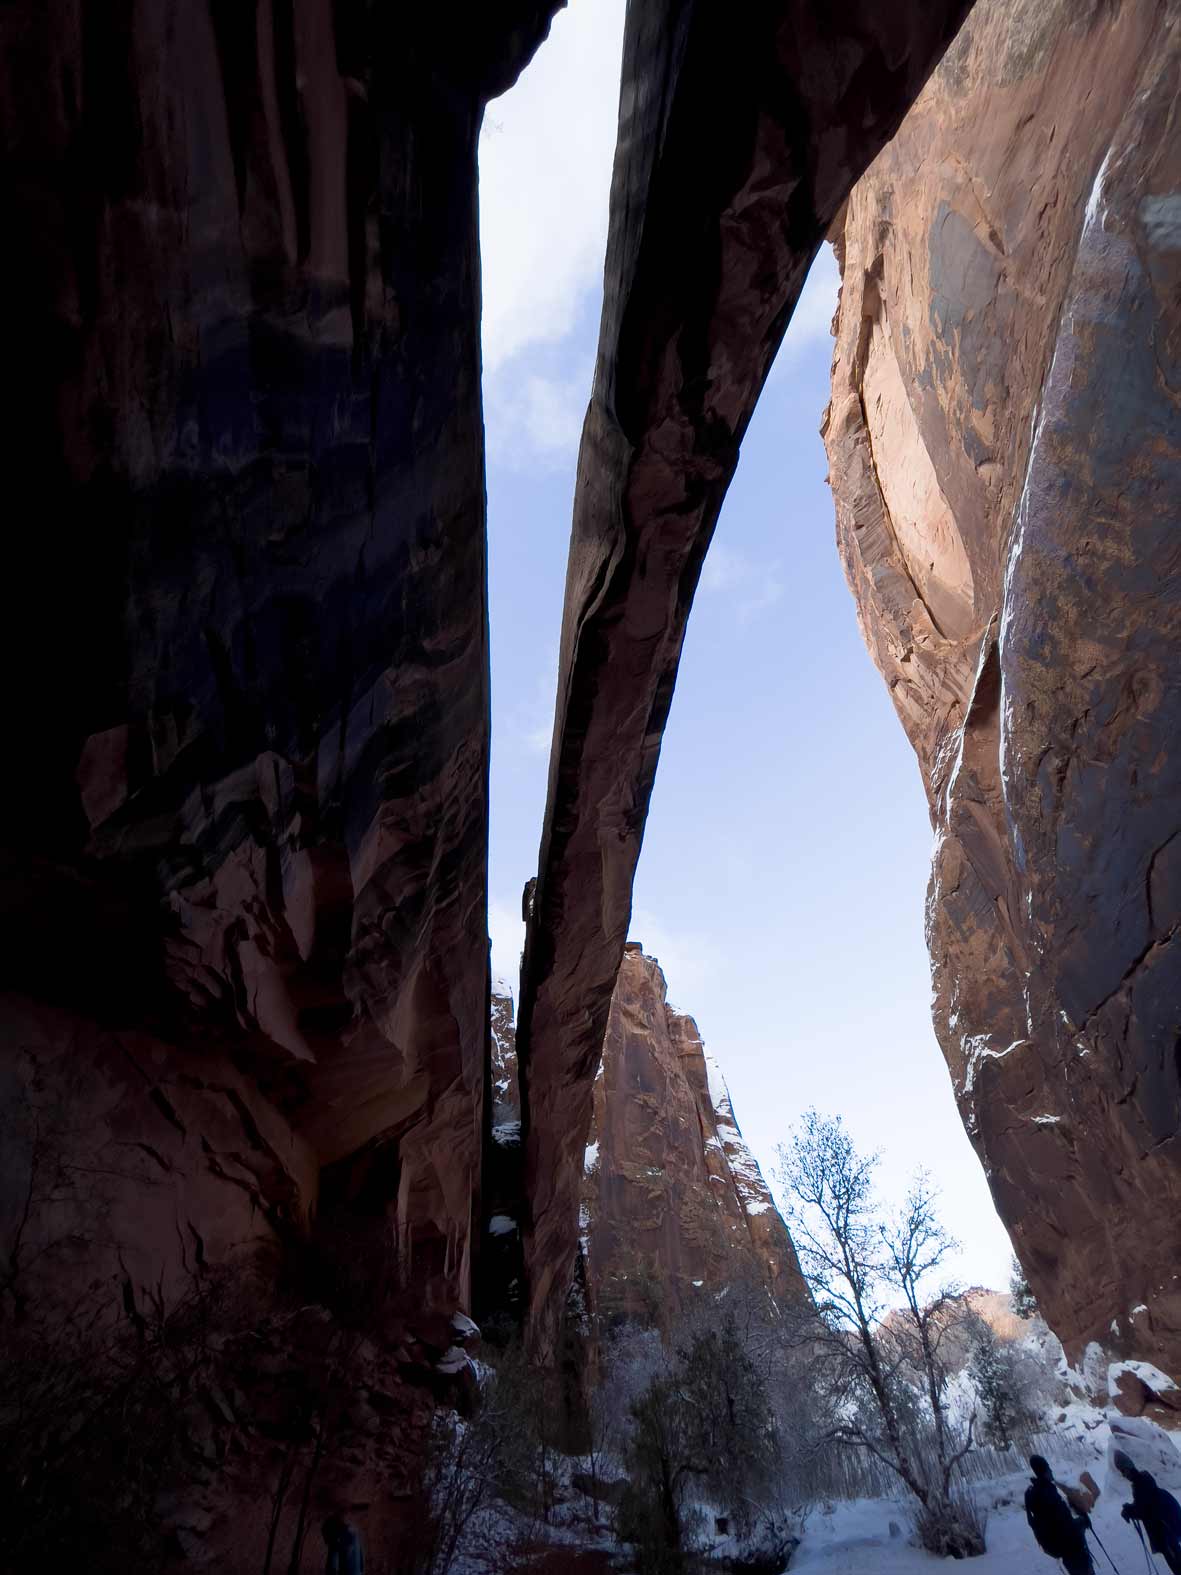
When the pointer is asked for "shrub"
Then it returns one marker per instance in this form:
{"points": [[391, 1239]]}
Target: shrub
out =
{"points": [[951, 1527], [1001, 1374], [1023, 1300], [703, 1427], [97, 1420]]}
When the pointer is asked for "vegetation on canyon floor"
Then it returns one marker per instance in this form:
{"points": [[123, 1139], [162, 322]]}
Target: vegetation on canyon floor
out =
{"points": [[708, 1441]]}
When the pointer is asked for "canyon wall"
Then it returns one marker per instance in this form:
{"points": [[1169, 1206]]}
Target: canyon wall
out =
{"points": [[673, 1207], [248, 659], [1004, 441], [741, 131], [244, 847], [243, 875], [244, 822]]}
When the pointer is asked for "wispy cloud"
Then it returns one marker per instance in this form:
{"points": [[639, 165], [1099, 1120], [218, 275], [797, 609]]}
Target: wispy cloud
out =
{"points": [[812, 319], [724, 568], [506, 930], [687, 959], [767, 594], [554, 134], [529, 722], [533, 420], [752, 585]]}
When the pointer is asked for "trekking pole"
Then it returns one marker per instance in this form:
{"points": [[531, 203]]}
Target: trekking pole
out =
{"points": [[1148, 1559], [1106, 1555]]}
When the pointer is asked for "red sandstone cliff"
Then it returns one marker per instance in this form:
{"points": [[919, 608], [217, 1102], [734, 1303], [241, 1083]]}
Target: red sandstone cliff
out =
{"points": [[243, 863], [251, 631], [243, 868], [674, 1206], [1005, 454], [741, 130], [244, 822]]}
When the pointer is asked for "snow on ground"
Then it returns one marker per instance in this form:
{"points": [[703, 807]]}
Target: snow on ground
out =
{"points": [[855, 1539], [858, 1537], [868, 1536]]}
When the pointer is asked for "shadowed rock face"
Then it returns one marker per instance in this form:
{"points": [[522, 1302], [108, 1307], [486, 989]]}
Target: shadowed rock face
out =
{"points": [[248, 663], [1005, 453], [674, 1206], [741, 131]]}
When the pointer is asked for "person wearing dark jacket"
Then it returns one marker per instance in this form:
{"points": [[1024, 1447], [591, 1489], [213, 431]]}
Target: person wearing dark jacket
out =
{"points": [[1156, 1510], [1059, 1531], [345, 1554]]}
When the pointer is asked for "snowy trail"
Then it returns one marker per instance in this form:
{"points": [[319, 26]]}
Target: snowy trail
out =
{"points": [[856, 1540]]}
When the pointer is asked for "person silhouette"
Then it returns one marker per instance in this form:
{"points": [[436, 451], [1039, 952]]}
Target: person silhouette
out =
{"points": [[1153, 1508], [346, 1556], [1060, 1533]]}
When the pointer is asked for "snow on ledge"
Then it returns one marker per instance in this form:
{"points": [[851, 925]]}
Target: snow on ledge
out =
{"points": [[453, 1360], [1151, 1377]]}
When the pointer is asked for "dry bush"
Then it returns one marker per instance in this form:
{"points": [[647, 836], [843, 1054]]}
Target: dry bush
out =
{"points": [[951, 1528], [96, 1423], [472, 1469]]}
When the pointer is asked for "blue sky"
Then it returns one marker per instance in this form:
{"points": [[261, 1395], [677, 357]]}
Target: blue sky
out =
{"points": [[786, 853]]}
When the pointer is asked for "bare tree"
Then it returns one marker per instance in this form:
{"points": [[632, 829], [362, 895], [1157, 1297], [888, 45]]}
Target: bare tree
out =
{"points": [[883, 1312], [458, 1472], [603, 1437], [43, 1211], [471, 1468], [97, 1419]]}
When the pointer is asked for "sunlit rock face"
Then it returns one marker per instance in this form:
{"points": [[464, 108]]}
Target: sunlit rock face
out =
{"points": [[742, 129], [1005, 453], [674, 1206], [247, 688], [674, 1209]]}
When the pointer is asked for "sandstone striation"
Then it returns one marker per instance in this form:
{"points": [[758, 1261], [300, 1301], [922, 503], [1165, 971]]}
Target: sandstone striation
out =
{"points": [[674, 1209], [741, 132], [674, 1206], [243, 872], [244, 990], [251, 637], [1005, 453]]}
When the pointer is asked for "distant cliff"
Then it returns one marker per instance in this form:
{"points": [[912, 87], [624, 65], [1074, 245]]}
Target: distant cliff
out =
{"points": [[674, 1206]]}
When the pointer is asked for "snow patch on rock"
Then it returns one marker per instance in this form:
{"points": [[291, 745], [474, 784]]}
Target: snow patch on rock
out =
{"points": [[1151, 1377]]}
